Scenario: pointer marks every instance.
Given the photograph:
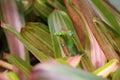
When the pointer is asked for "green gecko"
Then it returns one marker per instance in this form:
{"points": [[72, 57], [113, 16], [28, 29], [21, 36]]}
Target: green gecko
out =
{"points": [[67, 39]]}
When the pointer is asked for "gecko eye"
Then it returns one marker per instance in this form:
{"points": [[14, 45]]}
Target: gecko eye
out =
{"points": [[70, 33], [62, 44]]}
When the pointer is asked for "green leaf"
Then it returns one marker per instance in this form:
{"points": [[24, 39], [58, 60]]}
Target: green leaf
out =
{"points": [[28, 6], [108, 68], [62, 61], [42, 9], [108, 16], [37, 53], [57, 4], [102, 29], [116, 74], [60, 72], [12, 76], [20, 64], [38, 35], [64, 37]]}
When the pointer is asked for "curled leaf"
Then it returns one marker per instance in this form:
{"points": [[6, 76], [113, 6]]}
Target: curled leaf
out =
{"points": [[48, 71]]}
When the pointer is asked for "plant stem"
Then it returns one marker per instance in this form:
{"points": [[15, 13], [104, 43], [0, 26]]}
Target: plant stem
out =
{"points": [[6, 65], [11, 16]]}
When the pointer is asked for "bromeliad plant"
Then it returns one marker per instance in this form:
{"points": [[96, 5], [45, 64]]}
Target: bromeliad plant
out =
{"points": [[70, 39]]}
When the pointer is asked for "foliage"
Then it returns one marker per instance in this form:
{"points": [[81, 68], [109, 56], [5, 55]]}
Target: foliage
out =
{"points": [[69, 39]]}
